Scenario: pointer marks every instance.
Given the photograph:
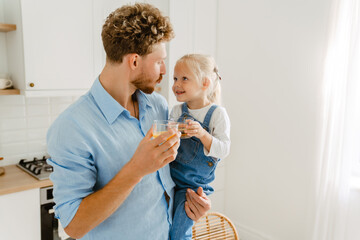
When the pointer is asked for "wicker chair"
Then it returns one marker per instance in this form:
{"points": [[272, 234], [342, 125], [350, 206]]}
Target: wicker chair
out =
{"points": [[214, 226]]}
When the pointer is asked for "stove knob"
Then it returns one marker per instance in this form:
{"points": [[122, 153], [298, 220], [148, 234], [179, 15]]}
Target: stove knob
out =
{"points": [[37, 170], [48, 168]]}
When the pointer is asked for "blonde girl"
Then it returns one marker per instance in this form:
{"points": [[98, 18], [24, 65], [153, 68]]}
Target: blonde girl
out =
{"points": [[207, 131]]}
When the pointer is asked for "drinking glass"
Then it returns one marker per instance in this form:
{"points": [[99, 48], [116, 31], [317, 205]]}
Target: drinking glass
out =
{"points": [[183, 123], [162, 126]]}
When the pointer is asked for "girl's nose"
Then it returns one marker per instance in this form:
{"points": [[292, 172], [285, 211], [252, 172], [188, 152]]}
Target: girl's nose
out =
{"points": [[176, 84]]}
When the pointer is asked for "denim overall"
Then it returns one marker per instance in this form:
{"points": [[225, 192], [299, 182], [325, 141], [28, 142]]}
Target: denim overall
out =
{"points": [[191, 169]]}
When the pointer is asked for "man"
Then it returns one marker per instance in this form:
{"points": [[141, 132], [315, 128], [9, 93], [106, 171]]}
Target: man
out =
{"points": [[111, 178]]}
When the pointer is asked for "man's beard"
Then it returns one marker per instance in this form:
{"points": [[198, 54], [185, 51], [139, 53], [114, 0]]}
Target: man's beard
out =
{"points": [[144, 83]]}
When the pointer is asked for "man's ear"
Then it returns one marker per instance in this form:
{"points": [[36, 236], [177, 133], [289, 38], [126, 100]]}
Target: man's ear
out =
{"points": [[206, 83], [133, 60]]}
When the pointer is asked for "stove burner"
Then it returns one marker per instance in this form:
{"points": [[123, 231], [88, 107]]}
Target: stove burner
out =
{"points": [[37, 168]]}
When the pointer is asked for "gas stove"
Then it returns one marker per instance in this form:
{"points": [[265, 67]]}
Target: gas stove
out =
{"points": [[37, 168]]}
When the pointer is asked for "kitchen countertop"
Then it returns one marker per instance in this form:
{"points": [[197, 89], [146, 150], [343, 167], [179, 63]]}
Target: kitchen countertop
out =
{"points": [[16, 180]]}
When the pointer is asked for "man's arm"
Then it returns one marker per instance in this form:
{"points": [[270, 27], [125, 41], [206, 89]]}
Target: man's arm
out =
{"points": [[148, 157]]}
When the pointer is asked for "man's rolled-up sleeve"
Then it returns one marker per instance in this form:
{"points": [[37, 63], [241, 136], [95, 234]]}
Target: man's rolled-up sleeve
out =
{"points": [[74, 174]]}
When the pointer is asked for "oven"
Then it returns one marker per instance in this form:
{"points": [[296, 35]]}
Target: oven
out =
{"points": [[49, 224]]}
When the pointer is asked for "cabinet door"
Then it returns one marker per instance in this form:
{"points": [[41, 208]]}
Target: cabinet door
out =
{"points": [[58, 44], [20, 215]]}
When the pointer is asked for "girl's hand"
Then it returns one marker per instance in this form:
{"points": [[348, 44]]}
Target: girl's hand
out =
{"points": [[194, 129]]}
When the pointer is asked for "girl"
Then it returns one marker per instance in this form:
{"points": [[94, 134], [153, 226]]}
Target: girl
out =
{"points": [[197, 85]]}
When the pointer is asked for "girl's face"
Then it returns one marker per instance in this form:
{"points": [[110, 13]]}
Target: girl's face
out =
{"points": [[187, 88]]}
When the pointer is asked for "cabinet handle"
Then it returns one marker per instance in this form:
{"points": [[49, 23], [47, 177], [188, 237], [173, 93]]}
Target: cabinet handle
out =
{"points": [[31, 84]]}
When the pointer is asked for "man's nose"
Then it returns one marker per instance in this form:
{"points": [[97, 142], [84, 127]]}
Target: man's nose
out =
{"points": [[163, 68]]}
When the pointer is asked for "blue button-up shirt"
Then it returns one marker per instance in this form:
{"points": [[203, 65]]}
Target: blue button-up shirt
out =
{"points": [[89, 143]]}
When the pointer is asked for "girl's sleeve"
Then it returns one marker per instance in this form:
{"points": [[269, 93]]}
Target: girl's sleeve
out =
{"points": [[171, 114], [220, 131]]}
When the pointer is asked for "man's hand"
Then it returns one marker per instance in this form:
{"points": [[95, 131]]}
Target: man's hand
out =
{"points": [[153, 154], [197, 204]]}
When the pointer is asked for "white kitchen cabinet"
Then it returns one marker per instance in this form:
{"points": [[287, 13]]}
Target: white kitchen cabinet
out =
{"points": [[20, 215], [53, 51], [57, 48]]}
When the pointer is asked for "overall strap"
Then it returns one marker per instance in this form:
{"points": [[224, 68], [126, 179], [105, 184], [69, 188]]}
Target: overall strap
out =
{"points": [[184, 108], [209, 114]]}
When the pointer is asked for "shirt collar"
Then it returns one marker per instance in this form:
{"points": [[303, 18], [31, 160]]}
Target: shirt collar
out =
{"points": [[142, 99], [109, 106]]}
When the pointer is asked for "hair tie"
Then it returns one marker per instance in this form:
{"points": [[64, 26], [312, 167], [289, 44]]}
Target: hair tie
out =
{"points": [[217, 72]]}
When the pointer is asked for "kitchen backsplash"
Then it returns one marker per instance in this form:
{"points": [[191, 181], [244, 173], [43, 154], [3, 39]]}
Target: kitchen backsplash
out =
{"points": [[24, 123]]}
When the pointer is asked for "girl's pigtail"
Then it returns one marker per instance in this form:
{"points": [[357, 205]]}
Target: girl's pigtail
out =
{"points": [[215, 93]]}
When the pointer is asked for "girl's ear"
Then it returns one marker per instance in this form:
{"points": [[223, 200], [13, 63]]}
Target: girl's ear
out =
{"points": [[206, 83]]}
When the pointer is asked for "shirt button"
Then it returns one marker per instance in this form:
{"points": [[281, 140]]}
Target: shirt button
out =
{"points": [[210, 164]]}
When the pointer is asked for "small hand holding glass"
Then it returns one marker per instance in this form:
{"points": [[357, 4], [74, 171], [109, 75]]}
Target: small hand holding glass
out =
{"points": [[183, 123], [194, 129]]}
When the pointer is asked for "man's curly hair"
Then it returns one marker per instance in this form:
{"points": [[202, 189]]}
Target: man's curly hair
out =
{"points": [[134, 29]]}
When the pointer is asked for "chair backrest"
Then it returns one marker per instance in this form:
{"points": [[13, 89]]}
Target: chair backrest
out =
{"points": [[214, 226]]}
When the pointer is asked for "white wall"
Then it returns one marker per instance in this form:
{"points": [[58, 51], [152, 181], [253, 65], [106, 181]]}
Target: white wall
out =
{"points": [[271, 56], [353, 230], [195, 31]]}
